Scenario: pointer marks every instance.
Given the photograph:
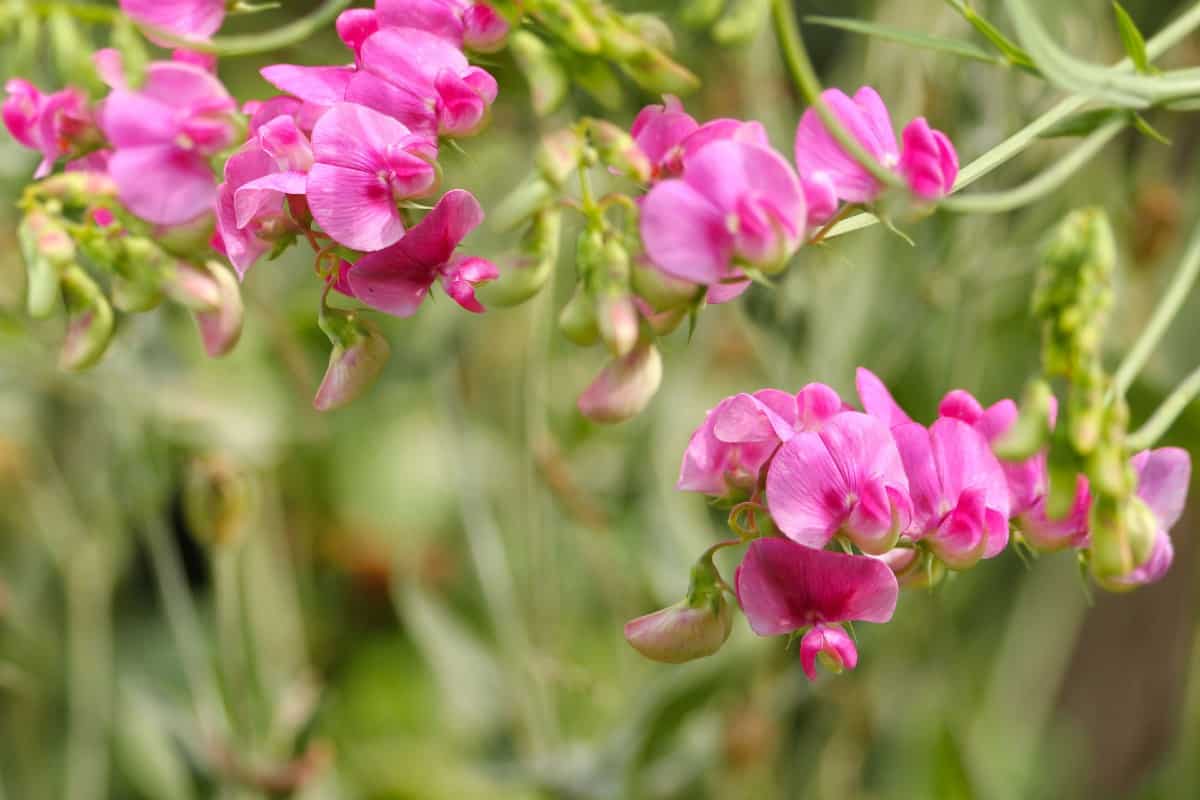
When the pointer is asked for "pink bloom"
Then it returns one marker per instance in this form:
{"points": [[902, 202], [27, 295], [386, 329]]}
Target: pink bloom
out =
{"points": [[397, 279], [1163, 478], [424, 81], [52, 124], [320, 86], [737, 203], [666, 135], [625, 386], [355, 25], [188, 19], [460, 22], [263, 111], [741, 433], [163, 136], [928, 162], [365, 163], [846, 478], [822, 160], [783, 587]]}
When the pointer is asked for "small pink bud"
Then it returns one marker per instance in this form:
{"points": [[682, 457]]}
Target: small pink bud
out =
{"points": [[221, 327], [623, 388], [484, 30], [617, 318], [927, 161], [694, 627], [358, 357]]}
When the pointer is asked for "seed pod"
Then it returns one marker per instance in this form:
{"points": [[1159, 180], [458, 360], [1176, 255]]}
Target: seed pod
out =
{"points": [[525, 276], [618, 150], [548, 83], [90, 320], [577, 320], [525, 201], [569, 24], [358, 357], [655, 72], [653, 30]]}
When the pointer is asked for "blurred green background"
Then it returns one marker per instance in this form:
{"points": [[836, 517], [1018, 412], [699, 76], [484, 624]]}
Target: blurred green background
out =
{"points": [[421, 596]]}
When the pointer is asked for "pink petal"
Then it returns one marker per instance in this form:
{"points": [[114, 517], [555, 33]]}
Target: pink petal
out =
{"points": [[685, 234], [727, 172], [186, 86], [324, 86], [411, 109], [1163, 479], [355, 25], [411, 58], [660, 131], [356, 208], [867, 120], [835, 643], [817, 403], [717, 130], [355, 137], [463, 275], [877, 400], [433, 16], [21, 111], [431, 242], [284, 140], [961, 405], [461, 110], [783, 586], [484, 30], [929, 164], [242, 247], [133, 119], [749, 418], [163, 184], [266, 194], [965, 461], [192, 19]]}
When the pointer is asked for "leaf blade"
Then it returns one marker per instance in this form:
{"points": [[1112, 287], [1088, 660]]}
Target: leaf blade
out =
{"points": [[911, 38]]}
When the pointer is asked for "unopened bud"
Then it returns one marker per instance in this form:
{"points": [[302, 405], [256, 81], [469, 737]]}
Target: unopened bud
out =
{"points": [[522, 278], [653, 30], [655, 72], [695, 627], [358, 357], [664, 322], [1031, 432], [577, 320], [141, 269], [598, 79], [701, 13], [662, 291], [523, 203], [217, 500], [618, 150], [913, 568], [617, 320], [624, 387], [192, 287], [559, 155], [90, 321], [188, 238], [221, 327], [48, 251], [743, 20], [565, 19], [547, 78], [1122, 534]]}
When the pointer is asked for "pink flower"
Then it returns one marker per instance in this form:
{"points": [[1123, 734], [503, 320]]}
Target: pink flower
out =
{"points": [[163, 136], [319, 86], [355, 25], [460, 22], [819, 157], [783, 587], [424, 81], [397, 279], [365, 163], [189, 19], [741, 433], [928, 162], [846, 478], [736, 204], [666, 134], [624, 387], [1163, 479], [53, 124]]}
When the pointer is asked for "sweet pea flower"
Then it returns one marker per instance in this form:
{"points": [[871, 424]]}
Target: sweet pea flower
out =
{"points": [[1163, 477], [928, 162], [666, 135], [364, 164], [845, 478], [476, 26], [397, 279], [740, 434], [736, 204], [355, 26], [188, 19], [163, 136], [53, 124], [783, 587], [423, 81]]}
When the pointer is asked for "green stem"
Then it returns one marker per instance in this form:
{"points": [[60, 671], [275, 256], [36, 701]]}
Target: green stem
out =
{"points": [[1041, 185], [1014, 145], [1165, 415], [89, 683], [1177, 291], [805, 78]]}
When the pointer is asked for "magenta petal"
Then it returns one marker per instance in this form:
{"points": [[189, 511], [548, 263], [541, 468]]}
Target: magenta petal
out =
{"points": [[411, 57], [1163, 478], [961, 536], [461, 277], [965, 461], [266, 194], [354, 25], [867, 120], [815, 404], [461, 110], [324, 86], [242, 247], [961, 405], [730, 173], [685, 234], [283, 139], [433, 239], [355, 137], [660, 130], [163, 184], [354, 207], [834, 642], [877, 400], [433, 16], [929, 164], [190, 19], [21, 111], [484, 29], [404, 105], [783, 586], [734, 130], [389, 281]]}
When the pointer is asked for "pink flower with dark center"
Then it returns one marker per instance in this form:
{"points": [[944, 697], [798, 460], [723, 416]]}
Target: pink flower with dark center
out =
{"points": [[783, 587], [53, 124], [1163, 478], [741, 433], [736, 204], [365, 163], [845, 479], [397, 279], [163, 136], [188, 19], [476, 26], [928, 161]]}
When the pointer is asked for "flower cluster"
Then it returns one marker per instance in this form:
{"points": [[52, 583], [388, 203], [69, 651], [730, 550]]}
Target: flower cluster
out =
{"points": [[904, 500]]}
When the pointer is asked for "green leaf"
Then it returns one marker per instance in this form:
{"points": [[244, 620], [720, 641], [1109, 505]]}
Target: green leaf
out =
{"points": [[1082, 124], [916, 39], [1015, 55], [1132, 39], [1146, 129]]}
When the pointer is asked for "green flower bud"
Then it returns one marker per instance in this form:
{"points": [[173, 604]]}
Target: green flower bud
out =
{"points": [[663, 292], [90, 320], [743, 20], [598, 79], [701, 13], [524, 277], [522, 204], [1031, 432], [655, 72], [618, 150], [570, 24], [1123, 534], [359, 355], [189, 285], [141, 269], [48, 251], [217, 500], [653, 30], [559, 155], [548, 82], [577, 320], [617, 320]]}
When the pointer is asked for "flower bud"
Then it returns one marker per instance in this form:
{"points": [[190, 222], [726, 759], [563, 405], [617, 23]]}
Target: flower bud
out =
{"points": [[1123, 534], [662, 291], [191, 286], [559, 155], [652, 70], [743, 20], [140, 269], [664, 322], [522, 204], [217, 500], [484, 29], [90, 320], [564, 19], [1031, 432], [358, 357], [598, 79], [577, 320], [525, 276], [617, 320], [48, 251], [624, 387], [548, 83], [76, 188], [653, 30], [701, 13], [188, 238], [221, 327], [832, 645], [913, 568], [695, 627], [619, 151]]}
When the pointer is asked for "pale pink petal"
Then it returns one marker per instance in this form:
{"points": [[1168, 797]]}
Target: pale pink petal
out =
{"points": [[484, 29], [190, 19], [1163, 478], [266, 194], [685, 234], [807, 494], [433, 16], [355, 207], [410, 57], [186, 86], [324, 86], [284, 140], [416, 112], [132, 119], [877, 400], [163, 184], [355, 137]]}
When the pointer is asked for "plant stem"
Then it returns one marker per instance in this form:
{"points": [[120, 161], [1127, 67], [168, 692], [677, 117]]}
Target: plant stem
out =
{"points": [[1165, 415], [805, 78], [89, 677], [1177, 291]]}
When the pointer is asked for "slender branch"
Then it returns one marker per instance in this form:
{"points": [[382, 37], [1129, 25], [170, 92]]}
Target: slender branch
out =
{"points": [[1165, 415], [1172, 300], [805, 78], [1041, 185], [89, 660]]}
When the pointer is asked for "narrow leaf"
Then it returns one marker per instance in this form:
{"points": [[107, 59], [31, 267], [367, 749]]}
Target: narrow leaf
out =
{"points": [[912, 38], [1008, 47], [1146, 129], [1082, 124], [1132, 39]]}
